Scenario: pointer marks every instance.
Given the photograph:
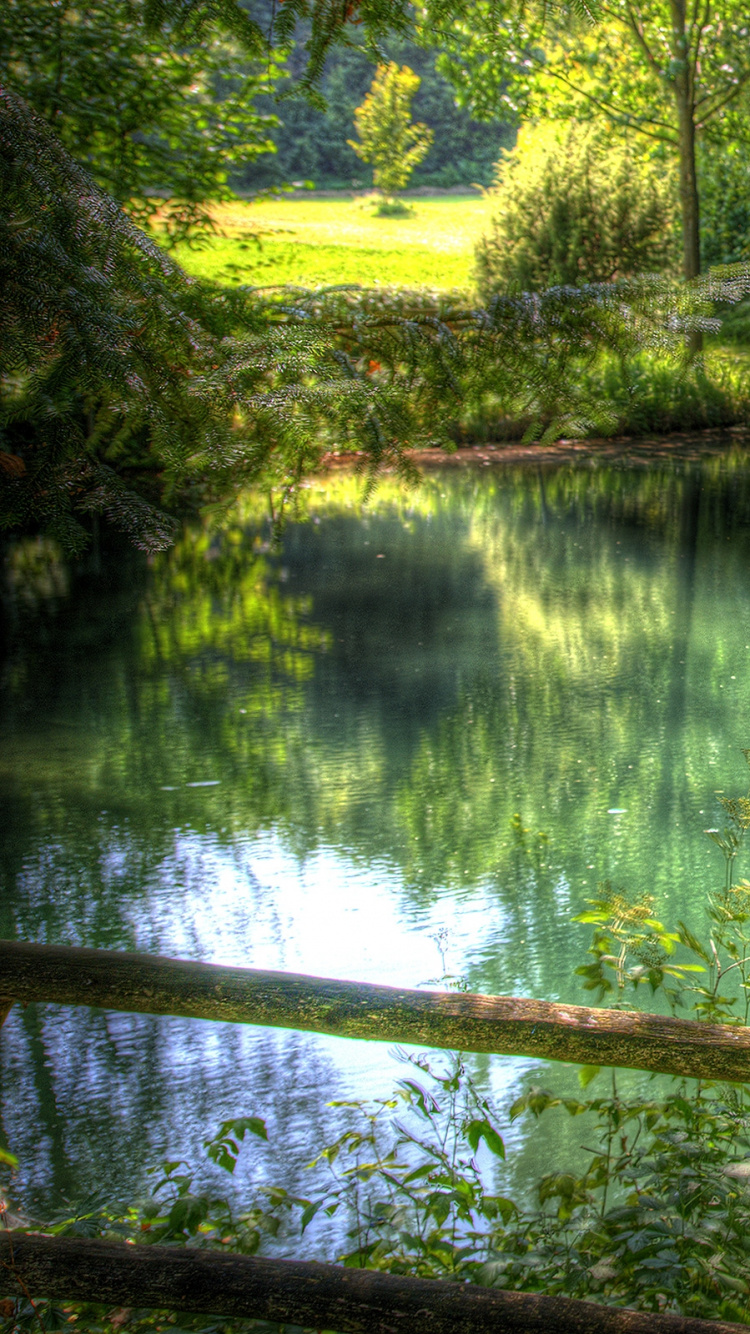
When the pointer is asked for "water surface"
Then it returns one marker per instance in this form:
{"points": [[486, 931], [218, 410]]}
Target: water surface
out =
{"points": [[411, 741]]}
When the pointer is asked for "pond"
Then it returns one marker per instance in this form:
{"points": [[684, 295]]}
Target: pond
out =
{"points": [[409, 742]]}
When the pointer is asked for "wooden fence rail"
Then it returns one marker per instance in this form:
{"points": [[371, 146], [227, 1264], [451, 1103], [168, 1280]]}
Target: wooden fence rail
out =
{"points": [[317, 1296], [457, 1021]]}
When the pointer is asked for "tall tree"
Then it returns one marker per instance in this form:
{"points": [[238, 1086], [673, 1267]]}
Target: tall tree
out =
{"points": [[162, 123], [663, 69], [387, 136]]}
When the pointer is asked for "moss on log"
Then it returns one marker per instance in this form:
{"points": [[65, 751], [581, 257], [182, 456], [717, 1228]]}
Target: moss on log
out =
{"points": [[461, 1022], [317, 1296]]}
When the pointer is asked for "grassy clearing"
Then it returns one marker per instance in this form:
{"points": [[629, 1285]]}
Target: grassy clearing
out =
{"points": [[324, 242], [321, 242]]}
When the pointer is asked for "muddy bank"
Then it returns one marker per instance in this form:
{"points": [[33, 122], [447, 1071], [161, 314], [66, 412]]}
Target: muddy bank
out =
{"points": [[688, 446]]}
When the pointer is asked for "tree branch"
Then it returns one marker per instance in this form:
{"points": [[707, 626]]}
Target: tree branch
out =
{"points": [[724, 100], [619, 118], [637, 30], [698, 34]]}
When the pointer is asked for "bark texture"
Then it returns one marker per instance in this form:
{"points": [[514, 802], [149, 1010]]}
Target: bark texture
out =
{"points": [[317, 1296], [460, 1022]]}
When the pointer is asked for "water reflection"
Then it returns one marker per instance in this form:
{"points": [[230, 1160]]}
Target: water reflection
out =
{"points": [[455, 712]]}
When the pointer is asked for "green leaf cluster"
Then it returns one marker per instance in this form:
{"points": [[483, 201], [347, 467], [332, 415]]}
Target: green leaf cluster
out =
{"points": [[573, 208], [387, 136], [162, 124]]}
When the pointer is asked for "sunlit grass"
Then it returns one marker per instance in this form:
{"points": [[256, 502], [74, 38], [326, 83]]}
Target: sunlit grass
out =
{"points": [[312, 243], [318, 242]]}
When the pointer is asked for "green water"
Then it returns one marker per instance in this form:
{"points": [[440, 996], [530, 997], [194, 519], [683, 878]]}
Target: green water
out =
{"points": [[432, 725]]}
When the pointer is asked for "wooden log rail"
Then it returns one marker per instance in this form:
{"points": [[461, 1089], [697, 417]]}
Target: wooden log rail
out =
{"points": [[317, 1296], [457, 1021]]}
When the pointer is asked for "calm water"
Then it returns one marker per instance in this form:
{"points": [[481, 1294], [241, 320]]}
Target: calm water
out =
{"points": [[430, 726]]}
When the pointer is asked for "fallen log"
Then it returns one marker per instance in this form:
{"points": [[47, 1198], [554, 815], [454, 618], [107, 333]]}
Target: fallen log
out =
{"points": [[317, 1296], [150, 984]]}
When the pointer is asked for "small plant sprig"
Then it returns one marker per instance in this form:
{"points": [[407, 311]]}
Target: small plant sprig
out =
{"points": [[630, 946]]}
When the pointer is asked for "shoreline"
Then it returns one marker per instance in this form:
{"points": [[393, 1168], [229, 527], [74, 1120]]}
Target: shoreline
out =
{"points": [[683, 446]]}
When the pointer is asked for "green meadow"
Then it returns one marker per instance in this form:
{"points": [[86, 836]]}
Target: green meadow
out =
{"points": [[319, 242], [313, 242]]}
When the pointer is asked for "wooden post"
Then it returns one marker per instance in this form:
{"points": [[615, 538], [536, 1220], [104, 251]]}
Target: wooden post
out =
{"points": [[148, 984], [317, 1296]]}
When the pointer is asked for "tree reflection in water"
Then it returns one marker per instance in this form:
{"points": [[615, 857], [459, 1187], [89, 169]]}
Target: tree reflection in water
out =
{"points": [[459, 708]]}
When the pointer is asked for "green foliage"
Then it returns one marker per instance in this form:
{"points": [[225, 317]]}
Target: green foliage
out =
{"points": [[161, 126], [647, 70], [657, 1219], [311, 141], [724, 176], [224, 1148], [123, 381], [573, 209], [124, 386], [649, 394], [387, 136], [92, 337]]}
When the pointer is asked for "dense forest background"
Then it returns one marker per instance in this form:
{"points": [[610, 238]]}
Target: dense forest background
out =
{"points": [[311, 144]]}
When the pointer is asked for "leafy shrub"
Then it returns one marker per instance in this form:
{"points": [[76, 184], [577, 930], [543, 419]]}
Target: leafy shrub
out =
{"points": [[724, 179], [574, 209]]}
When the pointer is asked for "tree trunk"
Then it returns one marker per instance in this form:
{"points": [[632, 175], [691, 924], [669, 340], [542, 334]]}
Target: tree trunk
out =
{"points": [[317, 1296], [684, 91], [148, 984], [689, 200]]}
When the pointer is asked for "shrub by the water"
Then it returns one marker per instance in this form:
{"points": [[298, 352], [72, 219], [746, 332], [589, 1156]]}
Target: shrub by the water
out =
{"points": [[574, 208]]}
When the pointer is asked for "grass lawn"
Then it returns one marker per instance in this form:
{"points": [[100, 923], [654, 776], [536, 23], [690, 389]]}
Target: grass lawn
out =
{"points": [[324, 242], [321, 242]]}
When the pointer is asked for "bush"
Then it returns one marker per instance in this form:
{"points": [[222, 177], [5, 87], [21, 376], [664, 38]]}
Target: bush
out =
{"points": [[575, 209], [724, 179]]}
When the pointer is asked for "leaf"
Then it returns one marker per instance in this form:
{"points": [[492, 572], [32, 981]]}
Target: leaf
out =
{"points": [[492, 1205], [309, 1213], [424, 1100], [587, 1073], [537, 1100], [477, 1130], [223, 1149], [687, 938], [9, 1158], [418, 1173]]}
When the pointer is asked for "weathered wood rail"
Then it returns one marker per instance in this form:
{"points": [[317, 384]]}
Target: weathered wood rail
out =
{"points": [[458, 1021], [317, 1296]]}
